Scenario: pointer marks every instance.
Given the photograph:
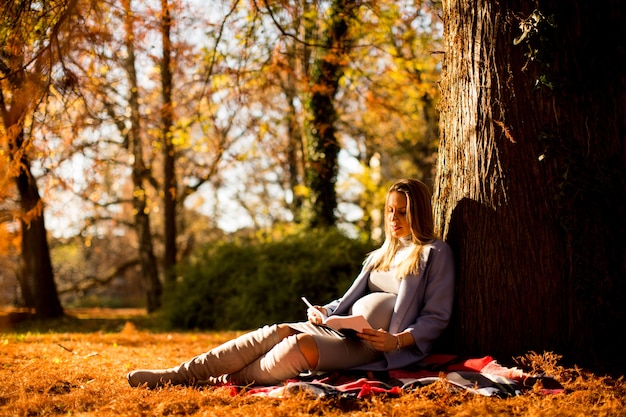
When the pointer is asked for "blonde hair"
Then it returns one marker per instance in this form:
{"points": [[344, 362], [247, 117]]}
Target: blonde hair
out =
{"points": [[419, 217]]}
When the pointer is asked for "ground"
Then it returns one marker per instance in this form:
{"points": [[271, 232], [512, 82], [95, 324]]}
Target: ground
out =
{"points": [[77, 366]]}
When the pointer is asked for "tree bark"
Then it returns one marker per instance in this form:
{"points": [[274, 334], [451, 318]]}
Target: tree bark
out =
{"points": [[170, 192], [23, 86], [36, 279], [37, 273], [147, 260], [322, 144], [530, 179]]}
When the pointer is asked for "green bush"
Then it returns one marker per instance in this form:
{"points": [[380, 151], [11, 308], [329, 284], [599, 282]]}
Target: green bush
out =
{"points": [[239, 286]]}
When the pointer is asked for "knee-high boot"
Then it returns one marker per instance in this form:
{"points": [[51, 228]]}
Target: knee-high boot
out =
{"points": [[227, 358], [284, 361]]}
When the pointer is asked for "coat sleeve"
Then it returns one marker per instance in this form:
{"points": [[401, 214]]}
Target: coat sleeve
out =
{"points": [[436, 309]]}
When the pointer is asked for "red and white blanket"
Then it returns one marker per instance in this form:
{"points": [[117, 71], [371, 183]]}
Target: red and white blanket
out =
{"points": [[483, 376]]}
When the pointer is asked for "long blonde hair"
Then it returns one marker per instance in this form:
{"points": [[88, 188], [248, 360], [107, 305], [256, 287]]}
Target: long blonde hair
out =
{"points": [[420, 220]]}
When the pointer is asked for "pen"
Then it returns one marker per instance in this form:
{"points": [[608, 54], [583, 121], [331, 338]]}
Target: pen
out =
{"points": [[307, 303], [313, 309]]}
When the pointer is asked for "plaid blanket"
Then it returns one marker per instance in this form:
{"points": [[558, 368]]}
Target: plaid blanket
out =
{"points": [[482, 376]]}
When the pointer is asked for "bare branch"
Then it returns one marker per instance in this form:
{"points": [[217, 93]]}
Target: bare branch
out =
{"points": [[94, 282]]}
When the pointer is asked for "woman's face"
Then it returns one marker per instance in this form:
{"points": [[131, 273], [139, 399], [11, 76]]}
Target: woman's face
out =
{"points": [[396, 215]]}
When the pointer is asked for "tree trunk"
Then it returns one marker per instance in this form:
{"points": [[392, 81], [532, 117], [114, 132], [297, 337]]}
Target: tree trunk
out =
{"points": [[147, 260], [294, 157], [37, 276], [38, 286], [322, 144], [36, 279], [170, 194], [530, 181]]}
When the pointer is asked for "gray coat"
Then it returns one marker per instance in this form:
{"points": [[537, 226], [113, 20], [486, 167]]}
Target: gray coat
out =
{"points": [[423, 306]]}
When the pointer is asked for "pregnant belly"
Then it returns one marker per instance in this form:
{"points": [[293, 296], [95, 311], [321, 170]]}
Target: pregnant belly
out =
{"points": [[377, 308]]}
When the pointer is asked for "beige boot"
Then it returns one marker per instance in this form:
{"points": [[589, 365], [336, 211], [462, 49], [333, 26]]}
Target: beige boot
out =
{"points": [[284, 361], [227, 358], [153, 378]]}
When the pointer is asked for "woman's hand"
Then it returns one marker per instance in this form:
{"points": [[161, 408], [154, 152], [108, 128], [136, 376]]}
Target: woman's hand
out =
{"points": [[379, 339], [315, 314]]}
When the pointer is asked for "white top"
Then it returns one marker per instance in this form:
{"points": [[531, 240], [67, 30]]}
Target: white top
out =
{"points": [[377, 306]]}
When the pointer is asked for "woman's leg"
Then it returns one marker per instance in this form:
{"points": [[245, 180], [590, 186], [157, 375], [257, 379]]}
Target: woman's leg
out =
{"points": [[227, 358], [285, 360], [302, 352], [336, 354]]}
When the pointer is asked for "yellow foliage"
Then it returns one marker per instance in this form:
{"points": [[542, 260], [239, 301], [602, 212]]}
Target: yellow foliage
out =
{"points": [[10, 239]]}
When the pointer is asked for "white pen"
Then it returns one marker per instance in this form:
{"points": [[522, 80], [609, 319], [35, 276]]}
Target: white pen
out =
{"points": [[313, 309], [307, 303]]}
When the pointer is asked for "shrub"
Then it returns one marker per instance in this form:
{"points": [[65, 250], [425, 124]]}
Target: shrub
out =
{"points": [[239, 285]]}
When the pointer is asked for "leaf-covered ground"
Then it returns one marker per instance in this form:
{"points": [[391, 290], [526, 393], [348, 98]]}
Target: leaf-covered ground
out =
{"points": [[77, 366]]}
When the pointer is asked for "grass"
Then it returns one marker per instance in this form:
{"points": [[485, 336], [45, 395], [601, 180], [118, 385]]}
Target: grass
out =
{"points": [[76, 366]]}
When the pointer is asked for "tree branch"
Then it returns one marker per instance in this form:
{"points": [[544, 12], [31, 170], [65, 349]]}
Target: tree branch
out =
{"points": [[94, 282]]}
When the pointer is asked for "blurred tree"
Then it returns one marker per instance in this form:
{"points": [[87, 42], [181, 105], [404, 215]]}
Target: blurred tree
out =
{"points": [[140, 172], [170, 185], [322, 144], [531, 184], [88, 164], [388, 107], [385, 103], [244, 85], [33, 40], [136, 123]]}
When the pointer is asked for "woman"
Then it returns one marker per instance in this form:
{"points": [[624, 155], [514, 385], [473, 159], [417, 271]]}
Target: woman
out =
{"points": [[405, 290]]}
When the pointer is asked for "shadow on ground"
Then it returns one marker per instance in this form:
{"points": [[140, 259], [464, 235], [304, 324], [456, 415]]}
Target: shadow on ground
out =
{"points": [[79, 320]]}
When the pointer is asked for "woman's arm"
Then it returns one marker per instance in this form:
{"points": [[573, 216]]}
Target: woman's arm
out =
{"points": [[435, 312], [384, 341], [438, 299]]}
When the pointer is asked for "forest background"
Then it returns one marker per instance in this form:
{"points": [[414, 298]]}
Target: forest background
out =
{"points": [[177, 155], [154, 129]]}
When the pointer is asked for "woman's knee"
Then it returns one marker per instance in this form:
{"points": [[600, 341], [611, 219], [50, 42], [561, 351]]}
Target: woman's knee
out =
{"points": [[285, 331], [308, 347]]}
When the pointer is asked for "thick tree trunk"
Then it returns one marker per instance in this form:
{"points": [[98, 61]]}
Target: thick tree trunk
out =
{"points": [[37, 276], [36, 279], [530, 180]]}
